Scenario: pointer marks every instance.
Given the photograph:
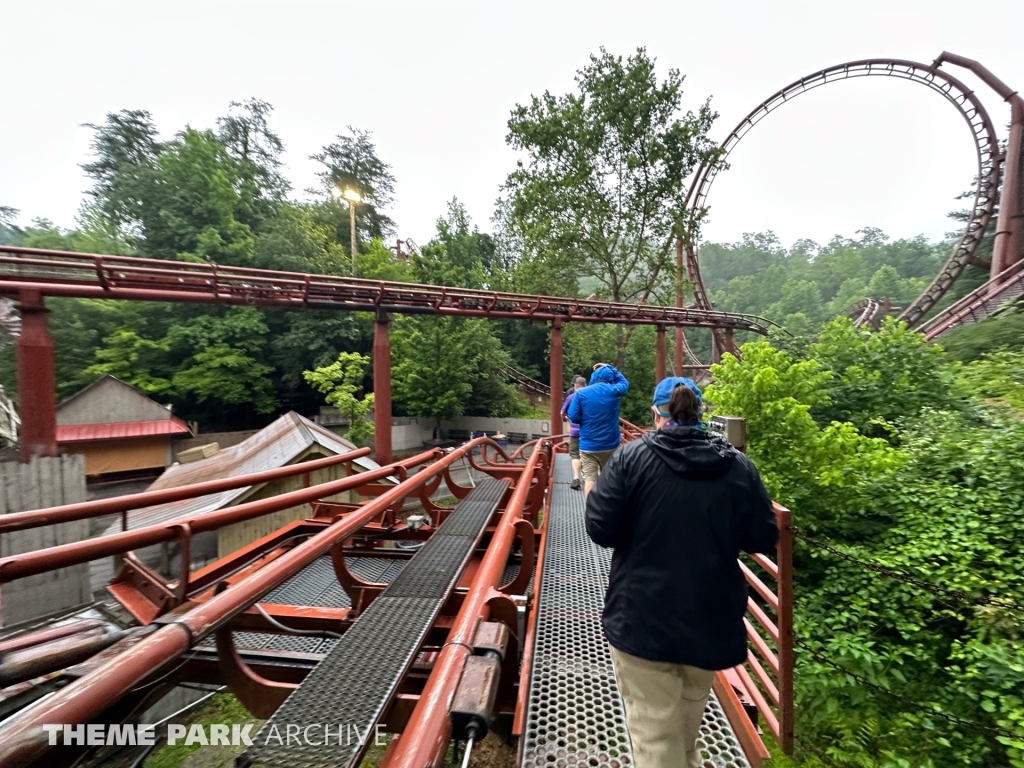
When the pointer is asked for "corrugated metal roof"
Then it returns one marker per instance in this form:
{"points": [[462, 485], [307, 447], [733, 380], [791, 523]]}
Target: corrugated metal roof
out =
{"points": [[72, 433], [276, 445]]}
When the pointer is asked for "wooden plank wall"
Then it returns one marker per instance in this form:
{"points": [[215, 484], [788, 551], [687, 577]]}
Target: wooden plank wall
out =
{"points": [[44, 482]]}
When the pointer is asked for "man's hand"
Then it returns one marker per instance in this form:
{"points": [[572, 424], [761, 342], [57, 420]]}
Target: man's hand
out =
{"points": [[600, 365]]}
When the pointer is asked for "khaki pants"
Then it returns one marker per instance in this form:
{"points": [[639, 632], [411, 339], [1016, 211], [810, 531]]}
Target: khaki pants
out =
{"points": [[592, 462], [664, 706]]}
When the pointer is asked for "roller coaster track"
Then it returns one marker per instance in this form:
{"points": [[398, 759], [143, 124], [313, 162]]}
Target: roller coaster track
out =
{"points": [[953, 90], [981, 303], [60, 273], [524, 382]]}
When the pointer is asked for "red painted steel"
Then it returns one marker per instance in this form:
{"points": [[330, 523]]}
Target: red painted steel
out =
{"points": [[30, 639], [61, 273], [36, 385], [382, 389], [1006, 248], [958, 94], [22, 739], [679, 305], [528, 643], [778, 714], [19, 521], [73, 433], [981, 303], [557, 377], [426, 736], [20, 566], [659, 346]]}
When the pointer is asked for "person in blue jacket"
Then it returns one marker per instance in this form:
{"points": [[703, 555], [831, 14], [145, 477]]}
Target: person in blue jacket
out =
{"points": [[596, 409]]}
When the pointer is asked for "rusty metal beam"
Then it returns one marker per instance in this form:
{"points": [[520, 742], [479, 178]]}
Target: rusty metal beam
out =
{"points": [[37, 389], [429, 729], [19, 521], [22, 739], [40, 561], [382, 389], [557, 376], [62, 273]]}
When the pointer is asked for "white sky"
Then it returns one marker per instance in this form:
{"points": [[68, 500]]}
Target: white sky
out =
{"points": [[435, 83]]}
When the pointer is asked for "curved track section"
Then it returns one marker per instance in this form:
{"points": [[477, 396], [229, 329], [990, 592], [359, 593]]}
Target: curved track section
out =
{"points": [[983, 302], [959, 95]]}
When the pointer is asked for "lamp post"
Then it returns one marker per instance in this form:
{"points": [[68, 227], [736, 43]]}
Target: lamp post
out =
{"points": [[353, 197]]}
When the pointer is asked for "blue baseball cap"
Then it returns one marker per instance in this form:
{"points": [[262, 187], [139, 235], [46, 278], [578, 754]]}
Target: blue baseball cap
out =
{"points": [[663, 392]]}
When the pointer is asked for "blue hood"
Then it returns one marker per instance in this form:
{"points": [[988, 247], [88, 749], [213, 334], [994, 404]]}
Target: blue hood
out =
{"points": [[596, 409]]}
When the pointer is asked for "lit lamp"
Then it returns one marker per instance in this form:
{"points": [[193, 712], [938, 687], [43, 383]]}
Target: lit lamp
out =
{"points": [[353, 197]]}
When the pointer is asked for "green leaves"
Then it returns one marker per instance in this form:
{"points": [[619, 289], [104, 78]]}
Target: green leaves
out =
{"points": [[603, 180], [340, 381], [944, 507]]}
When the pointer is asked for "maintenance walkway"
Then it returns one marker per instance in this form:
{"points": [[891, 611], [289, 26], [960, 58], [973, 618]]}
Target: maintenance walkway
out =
{"points": [[575, 714]]}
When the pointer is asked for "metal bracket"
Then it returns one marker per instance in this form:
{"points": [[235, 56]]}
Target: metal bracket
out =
{"points": [[260, 696], [360, 592], [527, 535]]}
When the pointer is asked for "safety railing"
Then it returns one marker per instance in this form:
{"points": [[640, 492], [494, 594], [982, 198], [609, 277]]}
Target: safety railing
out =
{"points": [[181, 530], [765, 682], [22, 738]]}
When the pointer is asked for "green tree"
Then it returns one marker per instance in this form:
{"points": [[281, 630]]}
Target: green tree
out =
{"points": [[198, 212], [603, 180], [458, 255], [132, 359], [246, 135], [227, 376], [125, 149], [445, 367], [351, 162], [879, 378], [340, 382]]}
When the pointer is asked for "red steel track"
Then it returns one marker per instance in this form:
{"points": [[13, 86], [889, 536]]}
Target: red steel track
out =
{"points": [[59, 273], [991, 165]]}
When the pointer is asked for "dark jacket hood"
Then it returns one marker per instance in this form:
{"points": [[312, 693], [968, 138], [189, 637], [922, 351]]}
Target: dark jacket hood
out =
{"points": [[692, 452]]}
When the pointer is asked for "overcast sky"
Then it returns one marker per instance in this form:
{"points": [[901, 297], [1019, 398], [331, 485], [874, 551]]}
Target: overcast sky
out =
{"points": [[435, 82]]}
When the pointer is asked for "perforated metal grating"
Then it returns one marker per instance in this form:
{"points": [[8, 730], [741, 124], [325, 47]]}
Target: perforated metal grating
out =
{"points": [[351, 687], [575, 715]]}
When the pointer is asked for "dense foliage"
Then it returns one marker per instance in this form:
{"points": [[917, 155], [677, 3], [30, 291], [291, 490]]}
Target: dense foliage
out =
{"points": [[937, 496]]}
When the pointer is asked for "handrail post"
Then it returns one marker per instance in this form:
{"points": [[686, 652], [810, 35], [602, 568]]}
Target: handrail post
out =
{"points": [[784, 551]]}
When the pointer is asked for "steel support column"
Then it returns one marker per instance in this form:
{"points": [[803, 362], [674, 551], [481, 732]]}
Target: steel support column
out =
{"points": [[382, 389], [556, 376], [659, 366], [679, 304], [1007, 245], [729, 344], [36, 385]]}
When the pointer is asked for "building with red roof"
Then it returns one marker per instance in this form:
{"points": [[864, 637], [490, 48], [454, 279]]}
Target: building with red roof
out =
{"points": [[120, 431]]}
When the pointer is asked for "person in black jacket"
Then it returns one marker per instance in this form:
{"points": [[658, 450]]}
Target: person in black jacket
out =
{"points": [[677, 506]]}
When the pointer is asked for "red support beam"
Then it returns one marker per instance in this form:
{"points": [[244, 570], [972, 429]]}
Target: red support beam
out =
{"points": [[36, 384], [382, 389], [730, 343], [556, 377], [679, 305], [429, 729], [22, 738], [659, 365]]}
